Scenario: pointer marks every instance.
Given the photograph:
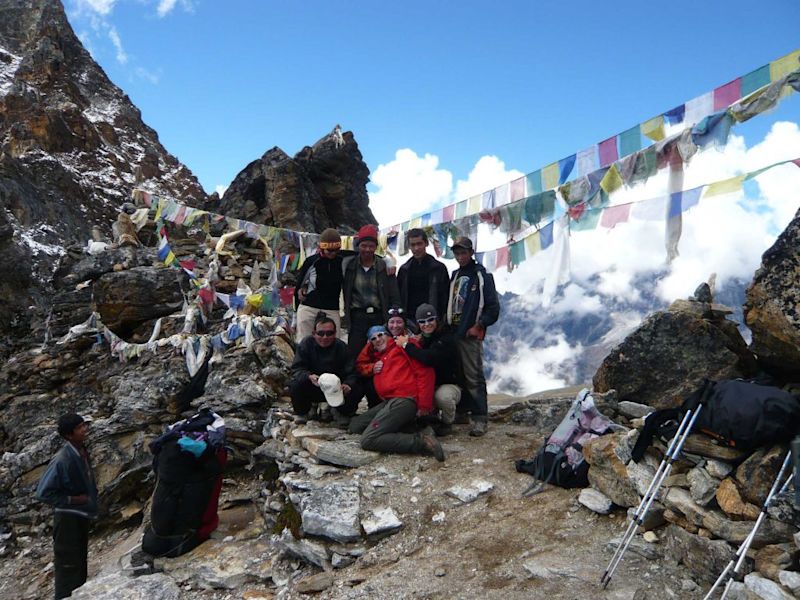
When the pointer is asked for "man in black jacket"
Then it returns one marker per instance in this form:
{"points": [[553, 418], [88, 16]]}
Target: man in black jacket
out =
{"points": [[473, 306], [422, 279], [436, 348], [68, 485], [322, 353], [319, 284]]}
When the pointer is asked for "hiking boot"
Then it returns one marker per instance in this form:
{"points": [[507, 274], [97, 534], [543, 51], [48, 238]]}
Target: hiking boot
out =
{"points": [[301, 419], [461, 419], [339, 420], [479, 426], [430, 445], [443, 430]]}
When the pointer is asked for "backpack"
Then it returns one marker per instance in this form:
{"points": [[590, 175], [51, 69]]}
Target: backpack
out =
{"points": [[739, 414], [560, 460]]}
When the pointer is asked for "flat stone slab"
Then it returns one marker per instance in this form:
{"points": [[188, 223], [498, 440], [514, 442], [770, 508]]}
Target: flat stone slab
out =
{"points": [[633, 410], [382, 521], [766, 588], [114, 586], [343, 453], [313, 431], [310, 551], [471, 492], [331, 511]]}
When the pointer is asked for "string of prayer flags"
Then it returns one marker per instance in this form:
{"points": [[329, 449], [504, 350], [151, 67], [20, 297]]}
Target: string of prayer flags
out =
{"points": [[608, 151]]}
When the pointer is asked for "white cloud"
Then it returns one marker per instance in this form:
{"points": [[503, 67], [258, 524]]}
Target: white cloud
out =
{"points": [[166, 6], [540, 366], [408, 185], [220, 189], [102, 7], [147, 75], [122, 57], [413, 184]]}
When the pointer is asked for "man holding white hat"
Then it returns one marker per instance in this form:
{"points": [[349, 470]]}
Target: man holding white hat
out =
{"points": [[324, 371]]}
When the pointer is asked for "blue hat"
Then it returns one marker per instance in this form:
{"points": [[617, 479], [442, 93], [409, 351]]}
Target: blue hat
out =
{"points": [[376, 329]]}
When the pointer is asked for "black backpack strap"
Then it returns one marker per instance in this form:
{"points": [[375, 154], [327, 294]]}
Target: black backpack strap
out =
{"points": [[651, 424]]}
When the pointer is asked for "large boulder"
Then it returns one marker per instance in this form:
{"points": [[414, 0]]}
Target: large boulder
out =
{"points": [[771, 308], [665, 359], [324, 185]]}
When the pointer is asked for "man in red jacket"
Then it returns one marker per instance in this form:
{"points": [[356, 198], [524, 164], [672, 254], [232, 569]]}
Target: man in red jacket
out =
{"points": [[404, 386]]}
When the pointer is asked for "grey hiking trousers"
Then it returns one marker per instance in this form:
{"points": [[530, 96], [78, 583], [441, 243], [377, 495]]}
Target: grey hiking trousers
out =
{"points": [[380, 427]]}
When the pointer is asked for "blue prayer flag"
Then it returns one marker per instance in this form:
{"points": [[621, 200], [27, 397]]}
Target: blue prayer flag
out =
{"points": [[565, 166], [546, 235], [675, 115]]}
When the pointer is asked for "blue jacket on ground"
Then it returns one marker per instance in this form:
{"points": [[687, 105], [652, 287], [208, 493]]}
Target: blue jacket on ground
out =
{"points": [[68, 475]]}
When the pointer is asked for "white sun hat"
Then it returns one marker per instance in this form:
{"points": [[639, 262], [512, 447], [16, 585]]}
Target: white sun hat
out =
{"points": [[331, 386]]}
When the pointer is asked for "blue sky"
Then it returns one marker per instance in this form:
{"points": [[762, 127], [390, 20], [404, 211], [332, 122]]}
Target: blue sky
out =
{"points": [[528, 82]]}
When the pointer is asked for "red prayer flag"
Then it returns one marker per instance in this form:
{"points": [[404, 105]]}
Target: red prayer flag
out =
{"points": [[518, 189], [501, 260], [727, 94], [608, 151], [448, 213]]}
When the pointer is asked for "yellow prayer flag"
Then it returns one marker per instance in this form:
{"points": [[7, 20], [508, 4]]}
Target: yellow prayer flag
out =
{"points": [[347, 242], [550, 176], [159, 209], [726, 186], [255, 300], [612, 180], [784, 65], [170, 259], [533, 244], [654, 128], [474, 205], [416, 222]]}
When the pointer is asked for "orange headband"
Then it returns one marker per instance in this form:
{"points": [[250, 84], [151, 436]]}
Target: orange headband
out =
{"points": [[330, 245]]}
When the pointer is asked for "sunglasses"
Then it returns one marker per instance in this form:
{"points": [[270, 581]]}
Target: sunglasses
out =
{"points": [[426, 321], [376, 336], [326, 333]]}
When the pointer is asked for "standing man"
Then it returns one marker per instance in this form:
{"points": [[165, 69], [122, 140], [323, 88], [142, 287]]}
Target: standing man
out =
{"points": [[422, 279], [473, 306], [319, 284], [68, 485], [368, 289], [322, 353]]}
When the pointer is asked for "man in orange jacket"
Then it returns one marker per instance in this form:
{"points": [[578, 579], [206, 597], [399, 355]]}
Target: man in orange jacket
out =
{"points": [[407, 391]]}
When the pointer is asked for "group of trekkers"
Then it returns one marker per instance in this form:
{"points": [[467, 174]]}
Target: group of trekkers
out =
{"points": [[414, 350], [414, 345]]}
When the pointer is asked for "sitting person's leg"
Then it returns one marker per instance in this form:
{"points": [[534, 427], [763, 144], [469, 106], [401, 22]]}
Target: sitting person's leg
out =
{"points": [[446, 398], [383, 433], [360, 422], [303, 395]]}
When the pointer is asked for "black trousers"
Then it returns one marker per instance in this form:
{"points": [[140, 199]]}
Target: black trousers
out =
{"points": [[70, 547], [360, 322], [304, 394]]}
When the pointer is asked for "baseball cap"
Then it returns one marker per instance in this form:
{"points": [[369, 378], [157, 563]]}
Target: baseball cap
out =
{"points": [[462, 242], [331, 386]]}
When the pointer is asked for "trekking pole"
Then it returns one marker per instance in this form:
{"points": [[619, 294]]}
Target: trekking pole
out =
{"points": [[741, 553], [673, 451]]}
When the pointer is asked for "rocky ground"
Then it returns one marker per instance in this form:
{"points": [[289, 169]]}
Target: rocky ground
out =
{"points": [[497, 545]]}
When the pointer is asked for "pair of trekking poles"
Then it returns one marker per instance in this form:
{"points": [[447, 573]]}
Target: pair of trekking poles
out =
{"points": [[672, 454]]}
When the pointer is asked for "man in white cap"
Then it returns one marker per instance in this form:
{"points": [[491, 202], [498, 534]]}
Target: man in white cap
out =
{"points": [[319, 353]]}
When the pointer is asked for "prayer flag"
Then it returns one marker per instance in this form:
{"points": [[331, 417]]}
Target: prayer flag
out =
{"points": [[487, 200], [612, 180], [588, 161], [501, 257], [784, 65], [533, 243], [654, 128], [652, 209], [448, 213], [630, 141], [713, 129], [727, 94], [502, 195], [550, 176], [614, 215], [680, 202], [565, 166], [755, 80], [437, 216], [474, 205], [675, 116], [533, 183], [726, 186], [546, 236], [461, 209], [425, 219], [517, 254], [587, 220], [699, 107], [415, 223], [540, 207], [518, 189], [608, 151]]}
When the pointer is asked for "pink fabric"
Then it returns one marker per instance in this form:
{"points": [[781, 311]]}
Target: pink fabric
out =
{"points": [[614, 215], [518, 189], [608, 151], [727, 94], [448, 213], [501, 260]]}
